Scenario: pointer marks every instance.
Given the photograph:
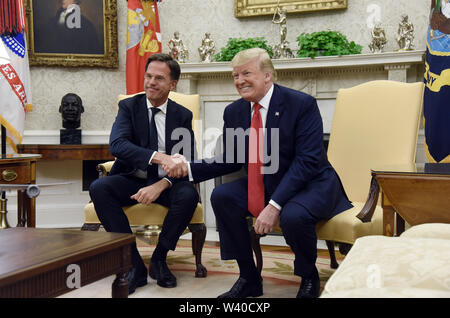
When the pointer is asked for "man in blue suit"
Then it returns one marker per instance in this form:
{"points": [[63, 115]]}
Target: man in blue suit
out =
{"points": [[141, 140], [289, 178]]}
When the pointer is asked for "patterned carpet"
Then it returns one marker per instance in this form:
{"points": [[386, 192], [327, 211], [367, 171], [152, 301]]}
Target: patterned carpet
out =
{"points": [[279, 281]]}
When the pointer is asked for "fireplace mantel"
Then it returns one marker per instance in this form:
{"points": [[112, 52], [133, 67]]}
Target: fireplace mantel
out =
{"points": [[395, 63]]}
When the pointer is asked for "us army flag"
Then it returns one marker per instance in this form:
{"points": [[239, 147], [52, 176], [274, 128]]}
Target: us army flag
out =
{"points": [[437, 92], [15, 88]]}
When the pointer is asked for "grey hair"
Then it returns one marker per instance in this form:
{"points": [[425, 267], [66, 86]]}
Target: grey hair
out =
{"points": [[265, 63]]}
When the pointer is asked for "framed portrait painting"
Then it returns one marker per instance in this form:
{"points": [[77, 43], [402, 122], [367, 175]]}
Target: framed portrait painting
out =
{"points": [[249, 8], [72, 33]]}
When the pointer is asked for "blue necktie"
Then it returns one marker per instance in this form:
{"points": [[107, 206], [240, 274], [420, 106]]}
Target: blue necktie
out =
{"points": [[152, 170]]}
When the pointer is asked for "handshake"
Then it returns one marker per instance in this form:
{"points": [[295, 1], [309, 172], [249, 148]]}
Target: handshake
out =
{"points": [[176, 166]]}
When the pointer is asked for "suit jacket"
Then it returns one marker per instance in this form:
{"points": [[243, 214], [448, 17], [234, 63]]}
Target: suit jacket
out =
{"points": [[130, 135], [304, 174]]}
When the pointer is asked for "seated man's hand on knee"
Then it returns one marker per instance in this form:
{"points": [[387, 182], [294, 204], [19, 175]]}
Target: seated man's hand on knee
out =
{"points": [[149, 194], [267, 219]]}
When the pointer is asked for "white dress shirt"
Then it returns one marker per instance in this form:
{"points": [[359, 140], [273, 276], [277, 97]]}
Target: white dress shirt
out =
{"points": [[265, 102], [160, 122]]}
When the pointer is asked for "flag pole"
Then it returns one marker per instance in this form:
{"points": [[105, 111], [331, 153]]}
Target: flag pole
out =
{"points": [[3, 193], [3, 141]]}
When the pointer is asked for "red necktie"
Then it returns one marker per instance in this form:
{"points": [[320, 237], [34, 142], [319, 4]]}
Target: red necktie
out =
{"points": [[255, 176]]}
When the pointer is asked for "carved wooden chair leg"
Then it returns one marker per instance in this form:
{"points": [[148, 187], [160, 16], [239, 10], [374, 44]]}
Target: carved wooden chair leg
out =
{"points": [[198, 240], [344, 248], [333, 263], [90, 227], [256, 246]]}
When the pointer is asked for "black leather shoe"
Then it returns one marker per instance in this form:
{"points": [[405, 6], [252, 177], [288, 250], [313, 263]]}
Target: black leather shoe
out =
{"points": [[162, 274], [309, 287], [242, 289], [135, 280]]}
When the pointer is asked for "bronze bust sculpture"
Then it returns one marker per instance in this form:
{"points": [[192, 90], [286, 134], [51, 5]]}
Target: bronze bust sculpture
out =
{"points": [[71, 109]]}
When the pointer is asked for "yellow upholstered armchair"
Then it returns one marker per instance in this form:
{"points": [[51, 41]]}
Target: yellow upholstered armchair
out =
{"points": [[154, 214], [374, 124]]}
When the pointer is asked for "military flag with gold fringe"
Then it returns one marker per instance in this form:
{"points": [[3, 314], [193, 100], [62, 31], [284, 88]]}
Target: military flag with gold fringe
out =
{"points": [[143, 40]]}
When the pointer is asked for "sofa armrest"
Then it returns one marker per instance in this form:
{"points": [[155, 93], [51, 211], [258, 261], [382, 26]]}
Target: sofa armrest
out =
{"points": [[104, 168]]}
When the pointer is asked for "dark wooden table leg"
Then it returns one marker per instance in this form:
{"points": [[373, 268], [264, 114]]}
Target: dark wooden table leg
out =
{"points": [[31, 211], [120, 286], [400, 224], [21, 209]]}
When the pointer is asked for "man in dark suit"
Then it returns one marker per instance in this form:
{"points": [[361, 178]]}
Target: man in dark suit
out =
{"points": [[141, 139], [289, 176]]}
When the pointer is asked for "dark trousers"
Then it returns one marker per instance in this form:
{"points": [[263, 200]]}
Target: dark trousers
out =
{"points": [[111, 193], [229, 202]]}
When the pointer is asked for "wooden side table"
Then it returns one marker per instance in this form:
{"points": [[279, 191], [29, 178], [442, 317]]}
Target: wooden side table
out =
{"points": [[416, 193], [21, 169], [68, 152], [90, 155]]}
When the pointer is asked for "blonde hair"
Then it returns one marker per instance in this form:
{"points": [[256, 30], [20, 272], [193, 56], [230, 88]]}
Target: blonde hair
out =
{"points": [[265, 63]]}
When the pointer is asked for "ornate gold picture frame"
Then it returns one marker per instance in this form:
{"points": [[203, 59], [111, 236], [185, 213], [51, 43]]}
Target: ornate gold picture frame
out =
{"points": [[93, 44], [249, 8]]}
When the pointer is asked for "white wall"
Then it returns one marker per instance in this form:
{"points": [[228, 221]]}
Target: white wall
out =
{"points": [[99, 87]]}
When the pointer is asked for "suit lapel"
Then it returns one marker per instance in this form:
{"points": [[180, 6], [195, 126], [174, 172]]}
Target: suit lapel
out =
{"points": [[170, 125], [142, 121], [273, 116], [245, 115], [244, 121]]}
